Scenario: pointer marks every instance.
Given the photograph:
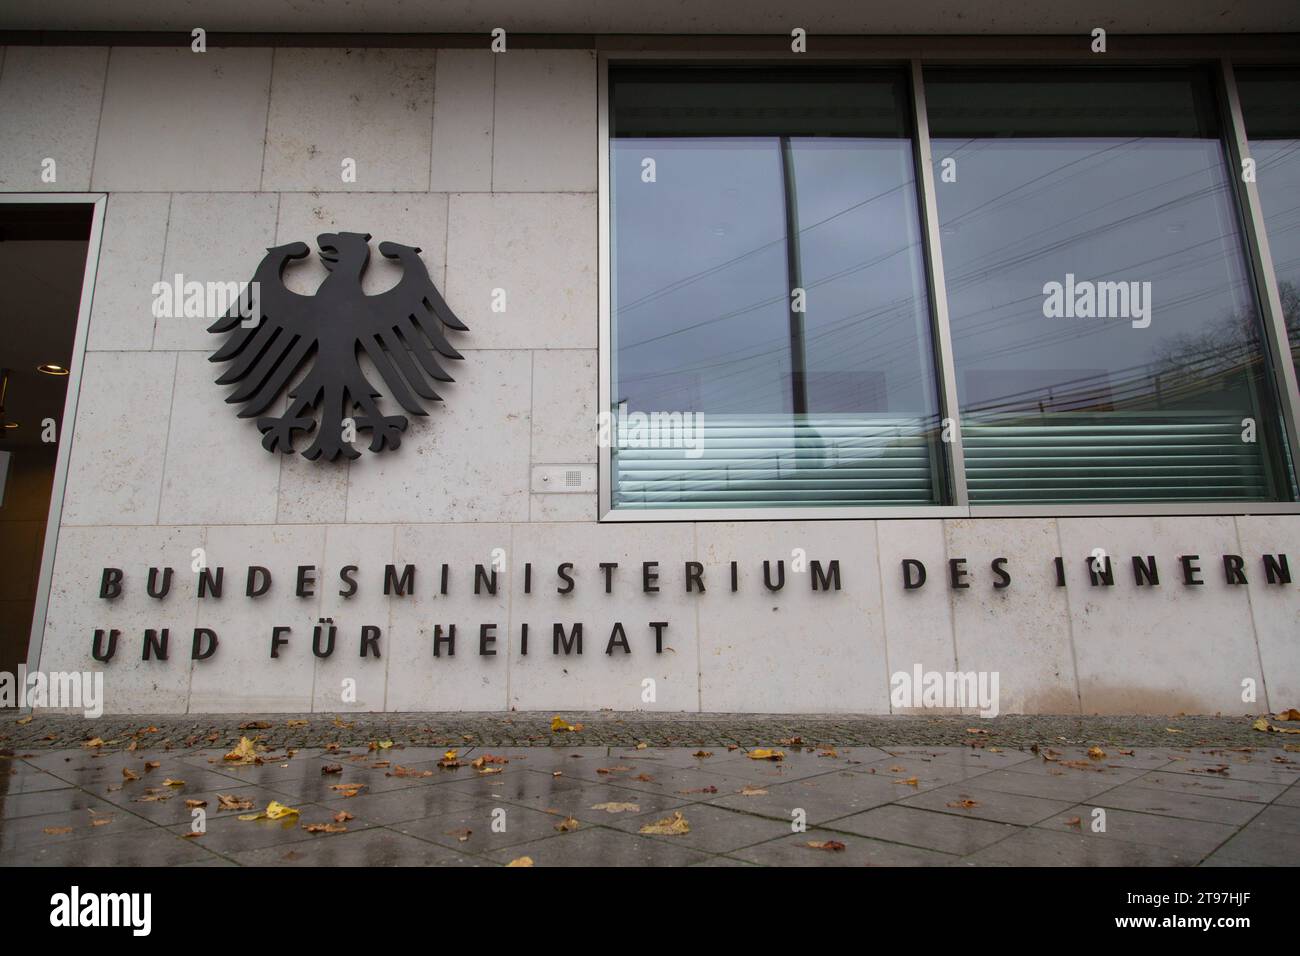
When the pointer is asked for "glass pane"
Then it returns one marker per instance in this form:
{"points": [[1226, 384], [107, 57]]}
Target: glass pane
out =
{"points": [[1106, 337], [1270, 105], [751, 369]]}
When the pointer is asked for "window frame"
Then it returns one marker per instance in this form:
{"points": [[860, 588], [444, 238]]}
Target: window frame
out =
{"points": [[910, 56]]}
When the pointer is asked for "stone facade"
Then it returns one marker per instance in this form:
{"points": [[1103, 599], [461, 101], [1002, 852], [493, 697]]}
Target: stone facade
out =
{"points": [[489, 164]]}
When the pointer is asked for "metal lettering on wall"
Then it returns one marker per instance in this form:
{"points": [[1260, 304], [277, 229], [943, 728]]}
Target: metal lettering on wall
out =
{"points": [[398, 330], [1099, 572]]}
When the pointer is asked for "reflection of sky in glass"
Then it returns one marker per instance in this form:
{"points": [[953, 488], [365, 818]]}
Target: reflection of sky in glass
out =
{"points": [[1026, 212], [702, 319]]}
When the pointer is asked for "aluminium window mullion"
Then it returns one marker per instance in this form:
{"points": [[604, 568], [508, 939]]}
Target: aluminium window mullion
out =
{"points": [[938, 289], [1261, 263]]}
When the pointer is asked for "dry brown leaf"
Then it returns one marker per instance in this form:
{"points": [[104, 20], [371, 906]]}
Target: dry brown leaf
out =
{"points": [[910, 781], [324, 828], [194, 804], [57, 831], [1291, 714], [617, 807], [965, 803], [227, 801], [833, 845], [702, 754], [129, 774], [1096, 753], [675, 825], [461, 835], [748, 791], [169, 782], [567, 824], [1073, 822]]}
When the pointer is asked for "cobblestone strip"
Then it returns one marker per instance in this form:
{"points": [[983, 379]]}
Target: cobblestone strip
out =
{"points": [[625, 729]]}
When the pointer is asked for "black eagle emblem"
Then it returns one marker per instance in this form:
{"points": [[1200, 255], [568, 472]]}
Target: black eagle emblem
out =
{"points": [[400, 330]]}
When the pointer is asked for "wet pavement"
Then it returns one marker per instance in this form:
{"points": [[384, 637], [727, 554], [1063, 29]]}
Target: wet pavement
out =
{"points": [[581, 805]]}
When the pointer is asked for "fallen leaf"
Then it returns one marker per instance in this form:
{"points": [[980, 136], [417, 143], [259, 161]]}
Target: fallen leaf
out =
{"points": [[295, 723], [331, 768], [675, 825], [708, 789], [348, 789], [338, 722], [101, 821], [834, 845], [25, 720], [130, 774], [400, 771], [192, 804], [567, 824], [1291, 714], [910, 781], [244, 752], [1096, 753], [256, 725], [748, 791], [617, 807], [619, 769], [521, 861], [702, 754], [324, 828], [227, 801], [965, 803], [762, 753], [559, 724], [93, 742], [1073, 822], [460, 835], [57, 831], [342, 817], [169, 782]]}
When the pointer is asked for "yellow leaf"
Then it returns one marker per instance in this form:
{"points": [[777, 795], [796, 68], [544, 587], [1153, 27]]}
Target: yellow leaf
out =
{"points": [[25, 720], [93, 742], [910, 781], [762, 753], [169, 782], [1096, 753], [295, 723], [244, 752], [1260, 724], [748, 791], [522, 861], [276, 810], [675, 825], [567, 824]]}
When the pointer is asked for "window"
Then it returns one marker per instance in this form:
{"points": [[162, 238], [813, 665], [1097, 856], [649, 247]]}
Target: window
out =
{"points": [[1270, 105], [771, 327], [773, 342], [1106, 339]]}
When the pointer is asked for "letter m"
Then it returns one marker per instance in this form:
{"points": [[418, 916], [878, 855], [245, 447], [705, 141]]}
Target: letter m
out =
{"points": [[400, 586]]}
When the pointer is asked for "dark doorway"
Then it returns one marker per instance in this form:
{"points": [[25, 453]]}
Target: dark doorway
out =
{"points": [[43, 250]]}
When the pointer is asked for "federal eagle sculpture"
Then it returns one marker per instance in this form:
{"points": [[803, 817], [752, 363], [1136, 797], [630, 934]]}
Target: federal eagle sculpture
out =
{"points": [[275, 333]]}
